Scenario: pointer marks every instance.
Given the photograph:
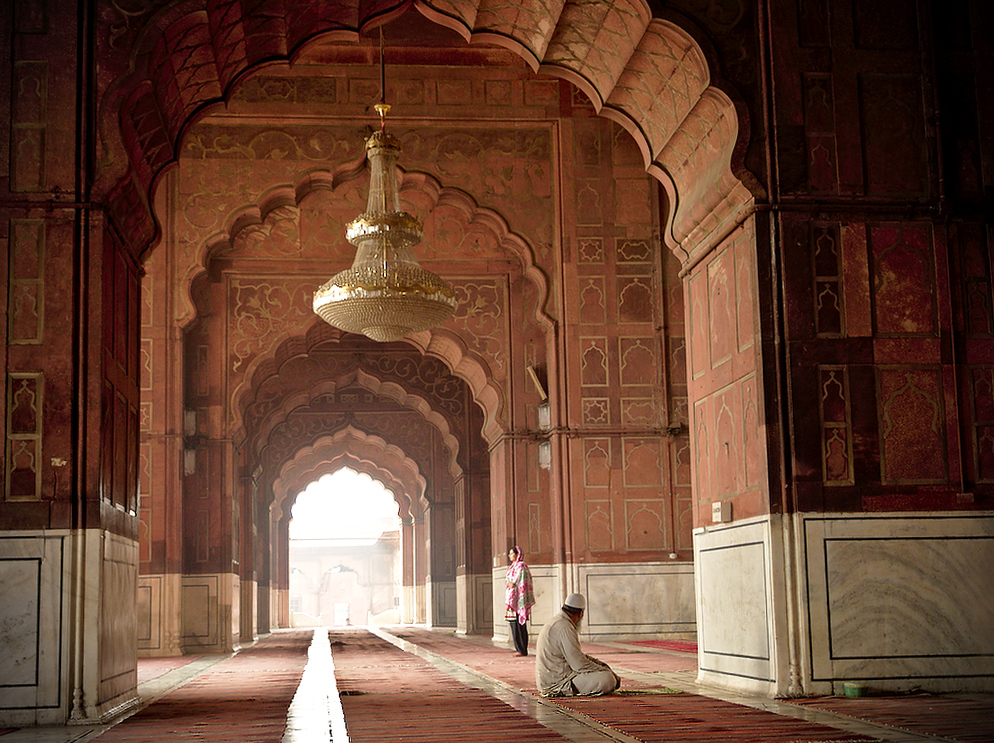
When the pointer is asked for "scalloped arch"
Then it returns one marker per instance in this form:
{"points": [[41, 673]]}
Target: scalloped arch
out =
{"points": [[647, 74], [387, 389], [458, 207], [367, 454]]}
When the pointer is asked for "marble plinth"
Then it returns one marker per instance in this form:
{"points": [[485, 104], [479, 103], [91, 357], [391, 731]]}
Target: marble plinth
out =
{"points": [[803, 605], [159, 615], [210, 615], [625, 601], [901, 601], [442, 603], [67, 649]]}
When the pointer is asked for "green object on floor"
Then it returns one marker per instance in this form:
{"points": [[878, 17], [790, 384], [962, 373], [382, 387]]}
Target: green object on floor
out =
{"points": [[854, 691]]}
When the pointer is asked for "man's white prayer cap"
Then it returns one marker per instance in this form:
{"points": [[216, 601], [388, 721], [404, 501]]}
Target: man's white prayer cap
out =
{"points": [[575, 601]]}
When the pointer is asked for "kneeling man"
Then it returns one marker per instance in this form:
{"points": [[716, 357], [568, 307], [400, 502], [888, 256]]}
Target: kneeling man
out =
{"points": [[561, 668]]}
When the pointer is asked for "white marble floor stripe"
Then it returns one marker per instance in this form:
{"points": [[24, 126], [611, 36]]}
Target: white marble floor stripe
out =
{"points": [[315, 714]]}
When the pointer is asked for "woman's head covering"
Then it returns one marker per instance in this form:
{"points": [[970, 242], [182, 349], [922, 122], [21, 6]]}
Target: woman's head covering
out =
{"points": [[518, 552]]}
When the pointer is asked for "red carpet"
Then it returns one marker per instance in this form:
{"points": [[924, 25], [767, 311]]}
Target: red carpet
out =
{"points": [[656, 718], [390, 695], [243, 699], [680, 646], [968, 718]]}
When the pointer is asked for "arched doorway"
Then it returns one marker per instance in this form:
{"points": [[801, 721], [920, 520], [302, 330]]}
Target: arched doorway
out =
{"points": [[183, 60], [276, 219], [345, 553]]}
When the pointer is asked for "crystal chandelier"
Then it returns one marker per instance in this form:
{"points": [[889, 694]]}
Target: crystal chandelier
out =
{"points": [[386, 295]]}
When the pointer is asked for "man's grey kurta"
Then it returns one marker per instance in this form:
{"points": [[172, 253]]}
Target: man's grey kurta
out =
{"points": [[559, 660]]}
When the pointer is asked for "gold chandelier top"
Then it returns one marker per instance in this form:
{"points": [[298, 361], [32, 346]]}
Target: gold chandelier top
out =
{"points": [[386, 295]]}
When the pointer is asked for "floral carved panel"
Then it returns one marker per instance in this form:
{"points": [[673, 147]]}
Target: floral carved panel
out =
{"points": [[262, 312], [912, 425]]}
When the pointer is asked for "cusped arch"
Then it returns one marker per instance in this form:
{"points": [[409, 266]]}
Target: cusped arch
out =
{"points": [[302, 399], [366, 454], [275, 214], [647, 74]]}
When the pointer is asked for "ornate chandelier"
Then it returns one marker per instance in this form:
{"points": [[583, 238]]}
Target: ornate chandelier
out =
{"points": [[386, 295]]}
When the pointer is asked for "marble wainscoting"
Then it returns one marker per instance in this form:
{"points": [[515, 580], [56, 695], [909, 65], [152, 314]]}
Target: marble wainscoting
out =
{"points": [[900, 601], [159, 615], [474, 601], [625, 601], [248, 631], [638, 601], [802, 605], [34, 645], [210, 616], [442, 603], [742, 607], [67, 651]]}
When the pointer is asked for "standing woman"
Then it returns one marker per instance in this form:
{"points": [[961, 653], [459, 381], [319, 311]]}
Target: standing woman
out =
{"points": [[519, 597]]}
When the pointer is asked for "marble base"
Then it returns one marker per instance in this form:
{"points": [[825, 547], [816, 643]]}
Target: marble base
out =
{"points": [[210, 615], [442, 603], [159, 615], [67, 650], [900, 601], [625, 601], [474, 604], [800, 606]]}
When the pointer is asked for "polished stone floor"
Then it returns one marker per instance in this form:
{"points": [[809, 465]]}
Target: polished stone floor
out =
{"points": [[412, 684]]}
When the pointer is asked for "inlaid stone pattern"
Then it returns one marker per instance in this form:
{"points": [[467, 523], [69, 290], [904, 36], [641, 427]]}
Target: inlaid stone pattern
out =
{"points": [[625, 464], [913, 432], [25, 318], [727, 416], [25, 395], [836, 423], [29, 125]]}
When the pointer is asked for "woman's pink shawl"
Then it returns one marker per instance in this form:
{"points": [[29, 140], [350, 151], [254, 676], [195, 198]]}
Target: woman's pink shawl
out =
{"points": [[519, 596]]}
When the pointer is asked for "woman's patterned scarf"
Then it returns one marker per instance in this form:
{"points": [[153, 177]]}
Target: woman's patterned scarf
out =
{"points": [[519, 596]]}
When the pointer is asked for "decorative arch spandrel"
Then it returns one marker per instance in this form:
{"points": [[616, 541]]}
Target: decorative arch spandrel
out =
{"points": [[397, 416]]}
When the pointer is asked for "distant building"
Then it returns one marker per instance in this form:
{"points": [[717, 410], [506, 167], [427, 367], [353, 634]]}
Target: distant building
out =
{"points": [[337, 582]]}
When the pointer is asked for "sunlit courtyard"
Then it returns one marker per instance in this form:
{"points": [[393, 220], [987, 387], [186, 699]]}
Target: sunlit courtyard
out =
{"points": [[344, 553]]}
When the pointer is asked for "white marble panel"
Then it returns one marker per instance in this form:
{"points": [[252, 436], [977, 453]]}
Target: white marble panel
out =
{"points": [[200, 601], [632, 600], [624, 600], [149, 612], [33, 617], [20, 579], [483, 602], [737, 605], [733, 583], [464, 609], [443, 603], [159, 615], [897, 599], [119, 580]]}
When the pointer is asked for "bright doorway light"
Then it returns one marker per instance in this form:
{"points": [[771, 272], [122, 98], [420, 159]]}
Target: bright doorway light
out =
{"points": [[345, 553], [343, 505]]}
